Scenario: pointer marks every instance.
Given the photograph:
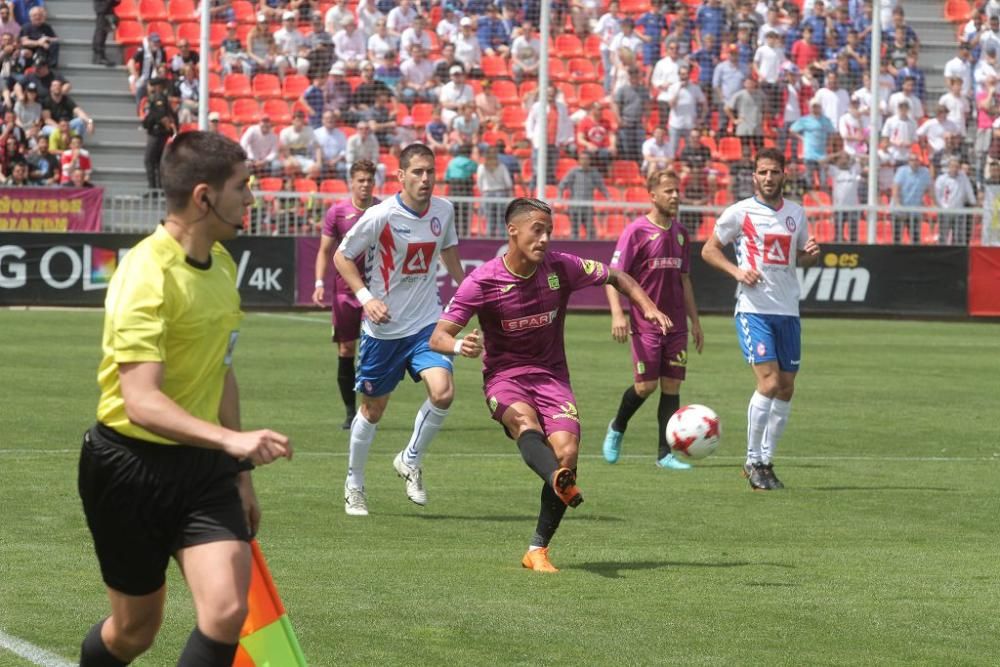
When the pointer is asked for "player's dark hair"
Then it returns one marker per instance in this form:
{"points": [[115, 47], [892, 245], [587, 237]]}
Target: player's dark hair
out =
{"points": [[524, 205], [197, 157], [366, 166], [769, 154], [412, 151], [659, 176]]}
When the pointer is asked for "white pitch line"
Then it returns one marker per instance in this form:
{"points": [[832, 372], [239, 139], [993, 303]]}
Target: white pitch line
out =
{"points": [[486, 455], [33, 654], [297, 318]]}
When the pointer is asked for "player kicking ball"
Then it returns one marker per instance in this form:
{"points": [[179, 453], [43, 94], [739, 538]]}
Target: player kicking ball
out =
{"points": [[346, 309], [521, 299], [771, 238], [400, 240], [655, 249]]}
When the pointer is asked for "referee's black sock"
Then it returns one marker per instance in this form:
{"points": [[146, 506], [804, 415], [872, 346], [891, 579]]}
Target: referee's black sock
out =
{"points": [[549, 516], [201, 651], [669, 404], [538, 455], [345, 380], [631, 401], [93, 652]]}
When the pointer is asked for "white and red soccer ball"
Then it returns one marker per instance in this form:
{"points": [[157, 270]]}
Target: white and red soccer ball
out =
{"points": [[694, 431]]}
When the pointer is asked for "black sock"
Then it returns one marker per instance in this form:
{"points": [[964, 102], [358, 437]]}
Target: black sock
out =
{"points": [[201, 651], [669, 404], [345, 380], [538, 455], [549, 516], [631, 401], [93, 652]]}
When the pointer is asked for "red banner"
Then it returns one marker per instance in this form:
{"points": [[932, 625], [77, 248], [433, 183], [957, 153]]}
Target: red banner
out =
{"points": [[51, 209], [984, 282]]}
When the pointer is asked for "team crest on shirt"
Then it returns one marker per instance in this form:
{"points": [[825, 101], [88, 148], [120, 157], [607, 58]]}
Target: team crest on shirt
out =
{"points": [[777, 248], [567, 411], [553, 281], [790, 223], [681, 360], [436, 226], [680, 239]]}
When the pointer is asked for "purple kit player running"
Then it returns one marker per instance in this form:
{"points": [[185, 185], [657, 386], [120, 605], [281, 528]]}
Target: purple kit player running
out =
{"points": [[655, 249], [521, 301], [771, 237], [346, 309]]}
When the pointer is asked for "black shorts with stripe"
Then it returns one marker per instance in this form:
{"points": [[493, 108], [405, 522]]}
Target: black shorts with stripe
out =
{"points": [[144, 501]]}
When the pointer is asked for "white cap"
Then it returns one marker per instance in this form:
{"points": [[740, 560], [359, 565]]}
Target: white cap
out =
{"points": [[456, 69], [287, 15], [338, 68], [465, 21]]}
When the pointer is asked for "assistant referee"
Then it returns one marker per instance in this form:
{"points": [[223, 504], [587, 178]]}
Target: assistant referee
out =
{"points": [[166, 469]]}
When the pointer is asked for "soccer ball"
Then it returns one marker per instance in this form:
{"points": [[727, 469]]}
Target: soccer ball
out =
{"points": [[694, 431]]}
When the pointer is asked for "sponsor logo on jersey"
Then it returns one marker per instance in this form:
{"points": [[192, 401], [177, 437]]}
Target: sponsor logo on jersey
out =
{"points": [[681, 360], [436, 226], [664, 263], [530, 321], [493, 403], [589, 266], [402, 231], [790, 223], [567, 411], [777, 249], [653, 237], [507, 288], [553, 281], [418, 258]]}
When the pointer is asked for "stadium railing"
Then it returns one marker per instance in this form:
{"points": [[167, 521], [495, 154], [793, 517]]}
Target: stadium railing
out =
{"points": [[134, 210]]}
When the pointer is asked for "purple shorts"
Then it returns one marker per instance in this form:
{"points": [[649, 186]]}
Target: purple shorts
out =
{"points": [[657, 356], [347, 313], [550, 396]]}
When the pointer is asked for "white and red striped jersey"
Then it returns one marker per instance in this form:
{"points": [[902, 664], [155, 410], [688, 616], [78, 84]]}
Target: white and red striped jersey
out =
{"points": [[766, 240], [401, 249]]}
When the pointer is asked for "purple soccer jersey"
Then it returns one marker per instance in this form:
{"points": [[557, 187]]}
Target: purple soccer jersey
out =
{"points": [[523, 318], [339, 219], [655, 258]]}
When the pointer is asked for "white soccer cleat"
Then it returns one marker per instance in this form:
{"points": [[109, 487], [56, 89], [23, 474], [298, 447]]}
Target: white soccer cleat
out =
{"points": [[414, 480], [355, 501]]}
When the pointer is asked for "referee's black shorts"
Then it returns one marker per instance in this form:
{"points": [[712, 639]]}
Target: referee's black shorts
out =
{"points": [[145, 501]]}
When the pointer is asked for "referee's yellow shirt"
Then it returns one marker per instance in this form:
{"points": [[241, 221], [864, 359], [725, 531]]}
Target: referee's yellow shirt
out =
{"points": [[161, 308]]}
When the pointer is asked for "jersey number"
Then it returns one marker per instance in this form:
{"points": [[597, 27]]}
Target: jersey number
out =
{"points": [[418, 257], [777, 248]]}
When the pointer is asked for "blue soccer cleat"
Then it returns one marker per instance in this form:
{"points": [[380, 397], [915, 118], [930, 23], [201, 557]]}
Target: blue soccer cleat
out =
{"points": [[673, 463], [612, 443]]}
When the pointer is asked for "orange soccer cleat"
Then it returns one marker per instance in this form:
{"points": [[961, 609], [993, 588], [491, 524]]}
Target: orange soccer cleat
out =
{"points": [[564, 484], [538, 560]]}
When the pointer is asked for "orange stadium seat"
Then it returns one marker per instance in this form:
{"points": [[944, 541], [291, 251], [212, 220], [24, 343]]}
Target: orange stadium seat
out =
{"points": [[129, 33], [513, 117], [730, 149], [215, 85], [266, 86], [246, 111], [152, 10], [495, 67], [957, 11], [635, 7], [563, 165], [506, 91], [278, 110], [589, 93], [568, 46], [334, 186], [229, 130], [561, 225], [526, 87], [422, 112], [625, 172], [568, 91], [557, 70], [441, 164], [127, 11], [165, 31], [581, 70], [181, 11], [391, 163], [592, 44], [237, 85], [244, 11], [221, 107], [294, 86]]}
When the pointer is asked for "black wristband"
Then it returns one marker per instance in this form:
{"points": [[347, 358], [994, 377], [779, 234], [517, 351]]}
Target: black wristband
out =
{"points": [[246, 465]]}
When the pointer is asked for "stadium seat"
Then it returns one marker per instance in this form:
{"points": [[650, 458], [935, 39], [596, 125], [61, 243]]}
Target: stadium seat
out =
{"points": [[506, 91], [215, 85], [152, 10], [625, 172], [633, 7], [269, 185], [127, 11], [334, 186], [563, 165], [129, 33], [709, 142], [730, 149], [513, 117], [236, 86], [422, 113], [229, 130], [592, 44], [294, 86], [588, 93], [557, 70], [561, 226], [391, 164], [266, 86], [581, 70], [526, 87], [278, 110], [306, 187], [221, 107], [495, 67], [613, 226], [568, 46], [441, 164], [957, 11], [181, 11], [636, 194], [166, 32], [244, 11], [568, 91], [246, 111]]}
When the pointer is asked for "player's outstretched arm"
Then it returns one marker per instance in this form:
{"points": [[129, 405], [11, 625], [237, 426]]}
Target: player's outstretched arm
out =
{"points": [[445, 341], [627, 285], [809, 254], [147, 406], [711, 252], [375, 309], [619, 324]]}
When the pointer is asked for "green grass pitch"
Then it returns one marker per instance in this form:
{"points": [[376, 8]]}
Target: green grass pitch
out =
{"points": [[882, 550]]}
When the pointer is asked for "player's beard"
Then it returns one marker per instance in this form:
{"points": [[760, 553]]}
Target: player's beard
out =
{"points": [[668, 211], [772, 194]]}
